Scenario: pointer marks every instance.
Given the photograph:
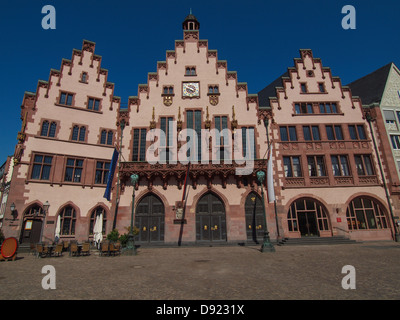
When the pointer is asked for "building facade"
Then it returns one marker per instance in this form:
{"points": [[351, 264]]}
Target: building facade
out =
{"points": [[63, 153], [196, 139], [327, 173], [380, 95]]}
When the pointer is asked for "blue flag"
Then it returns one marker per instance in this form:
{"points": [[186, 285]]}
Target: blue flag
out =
{"points": [[114, 161]]}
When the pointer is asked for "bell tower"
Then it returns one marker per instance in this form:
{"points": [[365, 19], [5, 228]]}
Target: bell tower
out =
{"points": [[190, 23]]}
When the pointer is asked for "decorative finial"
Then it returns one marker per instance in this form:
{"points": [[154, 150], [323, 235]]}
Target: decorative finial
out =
{"points": [[190, 11]]}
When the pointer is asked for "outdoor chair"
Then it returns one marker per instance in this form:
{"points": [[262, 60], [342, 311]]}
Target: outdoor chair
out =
{"points": [[32, 249], [65, 245], [115, 248], [104, 248], [85, 249], [73, 251], [58, 250], [41, 250]]}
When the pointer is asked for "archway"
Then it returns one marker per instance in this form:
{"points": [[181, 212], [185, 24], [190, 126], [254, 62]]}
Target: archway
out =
{"points": [[254, 217], [32, 226], [308, 217], [149, 219], [210, 218]]}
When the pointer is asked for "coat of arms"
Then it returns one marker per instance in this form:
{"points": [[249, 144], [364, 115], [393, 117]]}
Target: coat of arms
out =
{"points": [[214, 100], [167, 100]]}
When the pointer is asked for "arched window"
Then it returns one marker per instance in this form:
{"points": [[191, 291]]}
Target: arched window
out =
{"points": [[45, 129], [82, 134], [78, 133], [307, 216], [84, 77], [103, 137], [68, 220], [75, 133], [110, 137], [98, 212], [53, 127], [365, 213]]}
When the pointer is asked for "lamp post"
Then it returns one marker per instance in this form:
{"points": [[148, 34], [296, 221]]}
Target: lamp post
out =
{"points": [[130, 246], [267, 245], [46, 206]]}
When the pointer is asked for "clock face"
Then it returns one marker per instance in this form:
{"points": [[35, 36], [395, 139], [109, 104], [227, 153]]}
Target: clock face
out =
{"points": [[190, 89]]}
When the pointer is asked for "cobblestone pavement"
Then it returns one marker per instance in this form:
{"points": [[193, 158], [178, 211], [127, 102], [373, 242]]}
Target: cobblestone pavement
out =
{"points": [[210, 273]]}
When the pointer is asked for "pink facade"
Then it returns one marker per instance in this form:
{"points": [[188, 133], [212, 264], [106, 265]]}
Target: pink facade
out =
{"points": [[73, 122]]}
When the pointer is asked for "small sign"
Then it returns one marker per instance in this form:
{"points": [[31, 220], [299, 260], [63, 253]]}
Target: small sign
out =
{"points": [[339, 219], [28, 225]]}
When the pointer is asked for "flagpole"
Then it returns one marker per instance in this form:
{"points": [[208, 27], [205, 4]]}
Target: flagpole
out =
{"points": [[266, 123], [122, 126], [183, 205]]}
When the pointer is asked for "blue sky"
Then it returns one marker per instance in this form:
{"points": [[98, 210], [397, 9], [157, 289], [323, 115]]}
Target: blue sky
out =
{"points": [[259, 40]]}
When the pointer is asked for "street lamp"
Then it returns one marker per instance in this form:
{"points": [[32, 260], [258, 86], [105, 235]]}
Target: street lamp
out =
{"points": [[130, 246], [267, 245], [46, 206], [13, 213]]}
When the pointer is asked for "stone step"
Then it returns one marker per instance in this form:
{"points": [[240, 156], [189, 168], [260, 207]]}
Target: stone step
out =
{"points": [[316, 241]]}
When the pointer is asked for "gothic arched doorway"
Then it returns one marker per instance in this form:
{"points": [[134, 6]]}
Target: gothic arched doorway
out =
{"points": [[149, 219], [32, 227], [308, 217], [254, 213], [210, 219]]}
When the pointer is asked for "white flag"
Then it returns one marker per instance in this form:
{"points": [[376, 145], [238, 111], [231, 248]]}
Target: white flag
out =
{"points": [[270, 178]]}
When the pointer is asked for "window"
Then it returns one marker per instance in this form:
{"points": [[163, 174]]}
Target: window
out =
{"points": [[303, 108], [334, 132], [292, 167], [364, 165], [395, 139], [102, 171], [311, 133], [190, 71], [328, 107], [73, 170], [84, 77], [213, 89], [67, 221], [100, 213], [299, 209], [41, 167], [365, 213], [340, 165], [357, 132], [303, 87], [316, 166], [248, 143], [288, 133], [321, 87], [222, 140], [193, 121], [93, 104], [48, 130], [106, 137], [168, 90], [139, 145], [78, 133], [66, 98], [166, 127]]}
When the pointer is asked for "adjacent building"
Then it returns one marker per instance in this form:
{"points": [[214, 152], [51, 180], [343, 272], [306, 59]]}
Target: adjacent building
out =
{"points": [[327, 173]]}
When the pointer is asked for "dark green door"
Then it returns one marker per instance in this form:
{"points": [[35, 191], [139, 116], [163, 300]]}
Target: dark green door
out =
{"points": [[210, 219], [149, 219]]}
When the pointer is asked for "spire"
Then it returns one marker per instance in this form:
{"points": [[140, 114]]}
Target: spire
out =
{"points": [[191, 22]]}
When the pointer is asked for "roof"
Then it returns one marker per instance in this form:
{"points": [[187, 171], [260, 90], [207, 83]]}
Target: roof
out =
{"points": [[370, 87], [269, 91]]}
